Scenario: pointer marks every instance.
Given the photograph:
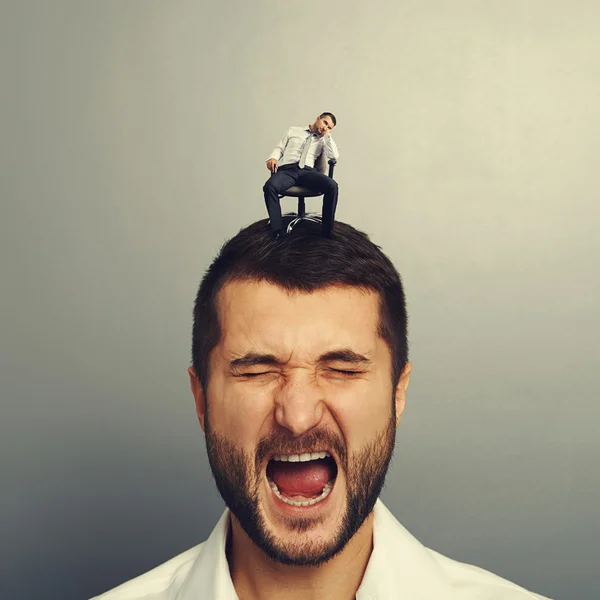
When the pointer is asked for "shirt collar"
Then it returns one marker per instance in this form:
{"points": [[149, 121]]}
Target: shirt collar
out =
{"points": [[209, 576], [399, 566]]}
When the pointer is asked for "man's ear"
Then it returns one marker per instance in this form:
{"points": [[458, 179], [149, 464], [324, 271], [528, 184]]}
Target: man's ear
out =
{"points": [[199, 396], [400, 394]]}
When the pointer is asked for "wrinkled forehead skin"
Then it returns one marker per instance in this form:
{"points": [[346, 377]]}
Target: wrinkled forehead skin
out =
{"points": [[261, 312]]}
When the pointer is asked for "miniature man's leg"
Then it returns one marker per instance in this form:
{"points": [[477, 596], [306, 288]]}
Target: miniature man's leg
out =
{"points": [[275, 185], [319, 182]]}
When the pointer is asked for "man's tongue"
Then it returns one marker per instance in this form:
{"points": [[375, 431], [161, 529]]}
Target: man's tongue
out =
{"points": [[300, 478]]}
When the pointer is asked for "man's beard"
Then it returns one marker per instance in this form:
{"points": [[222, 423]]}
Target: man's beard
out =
{"points": [[238, 477]]}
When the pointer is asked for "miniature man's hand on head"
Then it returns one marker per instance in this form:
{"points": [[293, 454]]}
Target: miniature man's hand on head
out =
{"points": [[272, 165]]}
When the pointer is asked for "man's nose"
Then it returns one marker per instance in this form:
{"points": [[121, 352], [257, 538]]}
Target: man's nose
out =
{"points": [[299, 404]]}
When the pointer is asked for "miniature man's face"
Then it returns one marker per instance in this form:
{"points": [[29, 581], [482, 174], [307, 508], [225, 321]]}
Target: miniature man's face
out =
{"points": [[323, 125], [300, 415]]}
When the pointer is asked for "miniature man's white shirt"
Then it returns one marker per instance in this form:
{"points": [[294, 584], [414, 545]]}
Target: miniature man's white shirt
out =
{"points": [[400, 568], [289, 149]]}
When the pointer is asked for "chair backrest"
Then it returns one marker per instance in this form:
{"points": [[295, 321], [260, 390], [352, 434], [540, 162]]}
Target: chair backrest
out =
{"points": [[321, 163]]}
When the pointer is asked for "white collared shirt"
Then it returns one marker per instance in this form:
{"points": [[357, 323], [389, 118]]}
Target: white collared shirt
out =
{"points": [[289, 148], [400, 568]]}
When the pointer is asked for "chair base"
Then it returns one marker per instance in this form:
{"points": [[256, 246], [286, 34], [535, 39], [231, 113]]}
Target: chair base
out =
{"points": [[314, 217]]}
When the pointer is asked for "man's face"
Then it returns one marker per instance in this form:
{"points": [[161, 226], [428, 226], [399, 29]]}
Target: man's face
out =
{"points": [[323, 125], [300, 415]]}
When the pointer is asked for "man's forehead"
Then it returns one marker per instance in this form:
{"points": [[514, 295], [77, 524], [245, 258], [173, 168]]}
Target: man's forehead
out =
{"points": [[263, 308], [259, 318]]}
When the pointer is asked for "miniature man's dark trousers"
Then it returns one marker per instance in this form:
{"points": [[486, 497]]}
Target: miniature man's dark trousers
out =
{"points": [[289, 175]]}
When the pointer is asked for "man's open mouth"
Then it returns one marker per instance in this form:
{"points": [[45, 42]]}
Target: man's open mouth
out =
{"points": [[302, 479]]}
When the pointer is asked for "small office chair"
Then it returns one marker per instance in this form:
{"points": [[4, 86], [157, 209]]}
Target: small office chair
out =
{"points": [[297, 191]]}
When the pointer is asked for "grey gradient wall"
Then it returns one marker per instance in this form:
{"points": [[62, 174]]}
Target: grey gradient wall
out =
{"points": [[134, 135]]}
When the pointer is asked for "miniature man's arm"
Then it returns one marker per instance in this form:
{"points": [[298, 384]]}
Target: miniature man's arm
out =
{"points": [[277, 152], [330, 146]]}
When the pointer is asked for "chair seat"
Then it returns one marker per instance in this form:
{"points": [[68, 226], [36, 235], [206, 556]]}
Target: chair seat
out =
{"points": [[297, 191]]}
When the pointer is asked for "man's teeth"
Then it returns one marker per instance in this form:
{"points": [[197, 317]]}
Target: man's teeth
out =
{"points": [[301, 457], [324, 494]]}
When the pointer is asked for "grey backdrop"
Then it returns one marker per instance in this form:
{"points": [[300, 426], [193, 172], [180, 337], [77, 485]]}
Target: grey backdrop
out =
{"points": [[134, 135]]}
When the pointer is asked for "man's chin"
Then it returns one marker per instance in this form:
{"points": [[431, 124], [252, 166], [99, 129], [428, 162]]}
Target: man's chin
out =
{"points": [[303, 535]]}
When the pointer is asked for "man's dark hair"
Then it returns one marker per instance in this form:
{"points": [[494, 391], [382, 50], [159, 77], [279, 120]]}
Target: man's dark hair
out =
{"points": [[302, 261], [330, 115]]}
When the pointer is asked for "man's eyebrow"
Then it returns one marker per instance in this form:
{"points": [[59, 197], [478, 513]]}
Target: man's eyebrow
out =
{"points": [[253, 358], [345, 355]]}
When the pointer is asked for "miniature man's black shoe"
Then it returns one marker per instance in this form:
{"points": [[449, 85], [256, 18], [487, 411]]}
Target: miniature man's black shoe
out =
{"points": [[280, 233]]}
